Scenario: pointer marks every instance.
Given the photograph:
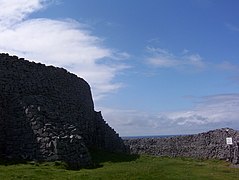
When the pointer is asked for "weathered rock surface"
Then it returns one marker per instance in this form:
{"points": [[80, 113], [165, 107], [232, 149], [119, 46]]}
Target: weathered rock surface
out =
{"points": [[47, 113], [207, 145]]}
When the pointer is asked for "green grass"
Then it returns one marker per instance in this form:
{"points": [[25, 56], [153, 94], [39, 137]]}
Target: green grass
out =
{"points": [[118, 166]]}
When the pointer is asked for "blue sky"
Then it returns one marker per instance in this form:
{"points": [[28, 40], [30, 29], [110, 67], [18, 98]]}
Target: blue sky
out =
{"points": [[156, 67]]}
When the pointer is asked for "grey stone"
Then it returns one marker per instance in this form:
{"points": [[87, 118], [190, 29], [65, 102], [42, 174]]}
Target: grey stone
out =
{"points": [[47, 113], [209, 145]]}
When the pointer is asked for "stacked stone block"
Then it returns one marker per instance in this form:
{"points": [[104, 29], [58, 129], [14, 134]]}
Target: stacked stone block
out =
{"points": [[209, 145], [47, 113]]}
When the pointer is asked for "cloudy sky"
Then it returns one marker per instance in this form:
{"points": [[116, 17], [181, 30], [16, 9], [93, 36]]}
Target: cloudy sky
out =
{"points": [[155, 67]]}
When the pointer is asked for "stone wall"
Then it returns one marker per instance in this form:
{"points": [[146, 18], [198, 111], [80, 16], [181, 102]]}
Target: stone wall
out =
{"points": [[207, 145], [2, 135], [47, 113]]}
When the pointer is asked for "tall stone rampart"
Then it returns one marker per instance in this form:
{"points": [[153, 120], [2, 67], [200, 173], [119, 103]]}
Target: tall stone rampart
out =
{"points": [[207, 145], [47, 113]]}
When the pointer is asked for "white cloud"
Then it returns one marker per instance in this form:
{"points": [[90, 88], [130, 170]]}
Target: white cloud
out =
{"points": [[222, 108], [64, 43], [13, 11], [164, 59], [210, 112]]}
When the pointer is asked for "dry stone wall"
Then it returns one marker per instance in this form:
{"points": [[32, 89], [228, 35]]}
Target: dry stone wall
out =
{"points": [[47, 113], [207, 145]]}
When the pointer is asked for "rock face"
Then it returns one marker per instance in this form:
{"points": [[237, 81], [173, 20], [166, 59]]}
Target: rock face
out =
{"points": [[47, 113], [207, 145]]}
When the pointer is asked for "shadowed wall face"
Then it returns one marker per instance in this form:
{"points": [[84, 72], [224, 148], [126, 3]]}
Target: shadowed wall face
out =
{"points": [[47, 113], [2, 119]]}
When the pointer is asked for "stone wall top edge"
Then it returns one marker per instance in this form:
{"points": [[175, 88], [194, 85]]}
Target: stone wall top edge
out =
{"points": [[230, 131], [11, 58]]}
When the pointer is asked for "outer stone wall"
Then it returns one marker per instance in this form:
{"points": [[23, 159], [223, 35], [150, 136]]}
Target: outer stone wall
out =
{"points": [[207, 145], [2, 117], [47, 113]]}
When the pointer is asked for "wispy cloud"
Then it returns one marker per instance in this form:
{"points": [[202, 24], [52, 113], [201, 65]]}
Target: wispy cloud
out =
{"points": [[232, 27], [162, 58], [228, 66], [211, 109], [209, 112], [65, 43]]}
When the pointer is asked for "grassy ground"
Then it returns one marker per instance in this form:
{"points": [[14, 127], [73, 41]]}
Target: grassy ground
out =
{"points": [[116, 166]]}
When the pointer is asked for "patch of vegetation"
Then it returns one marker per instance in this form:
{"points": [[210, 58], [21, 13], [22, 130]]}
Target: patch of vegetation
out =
{"points": [[121, 166]]}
